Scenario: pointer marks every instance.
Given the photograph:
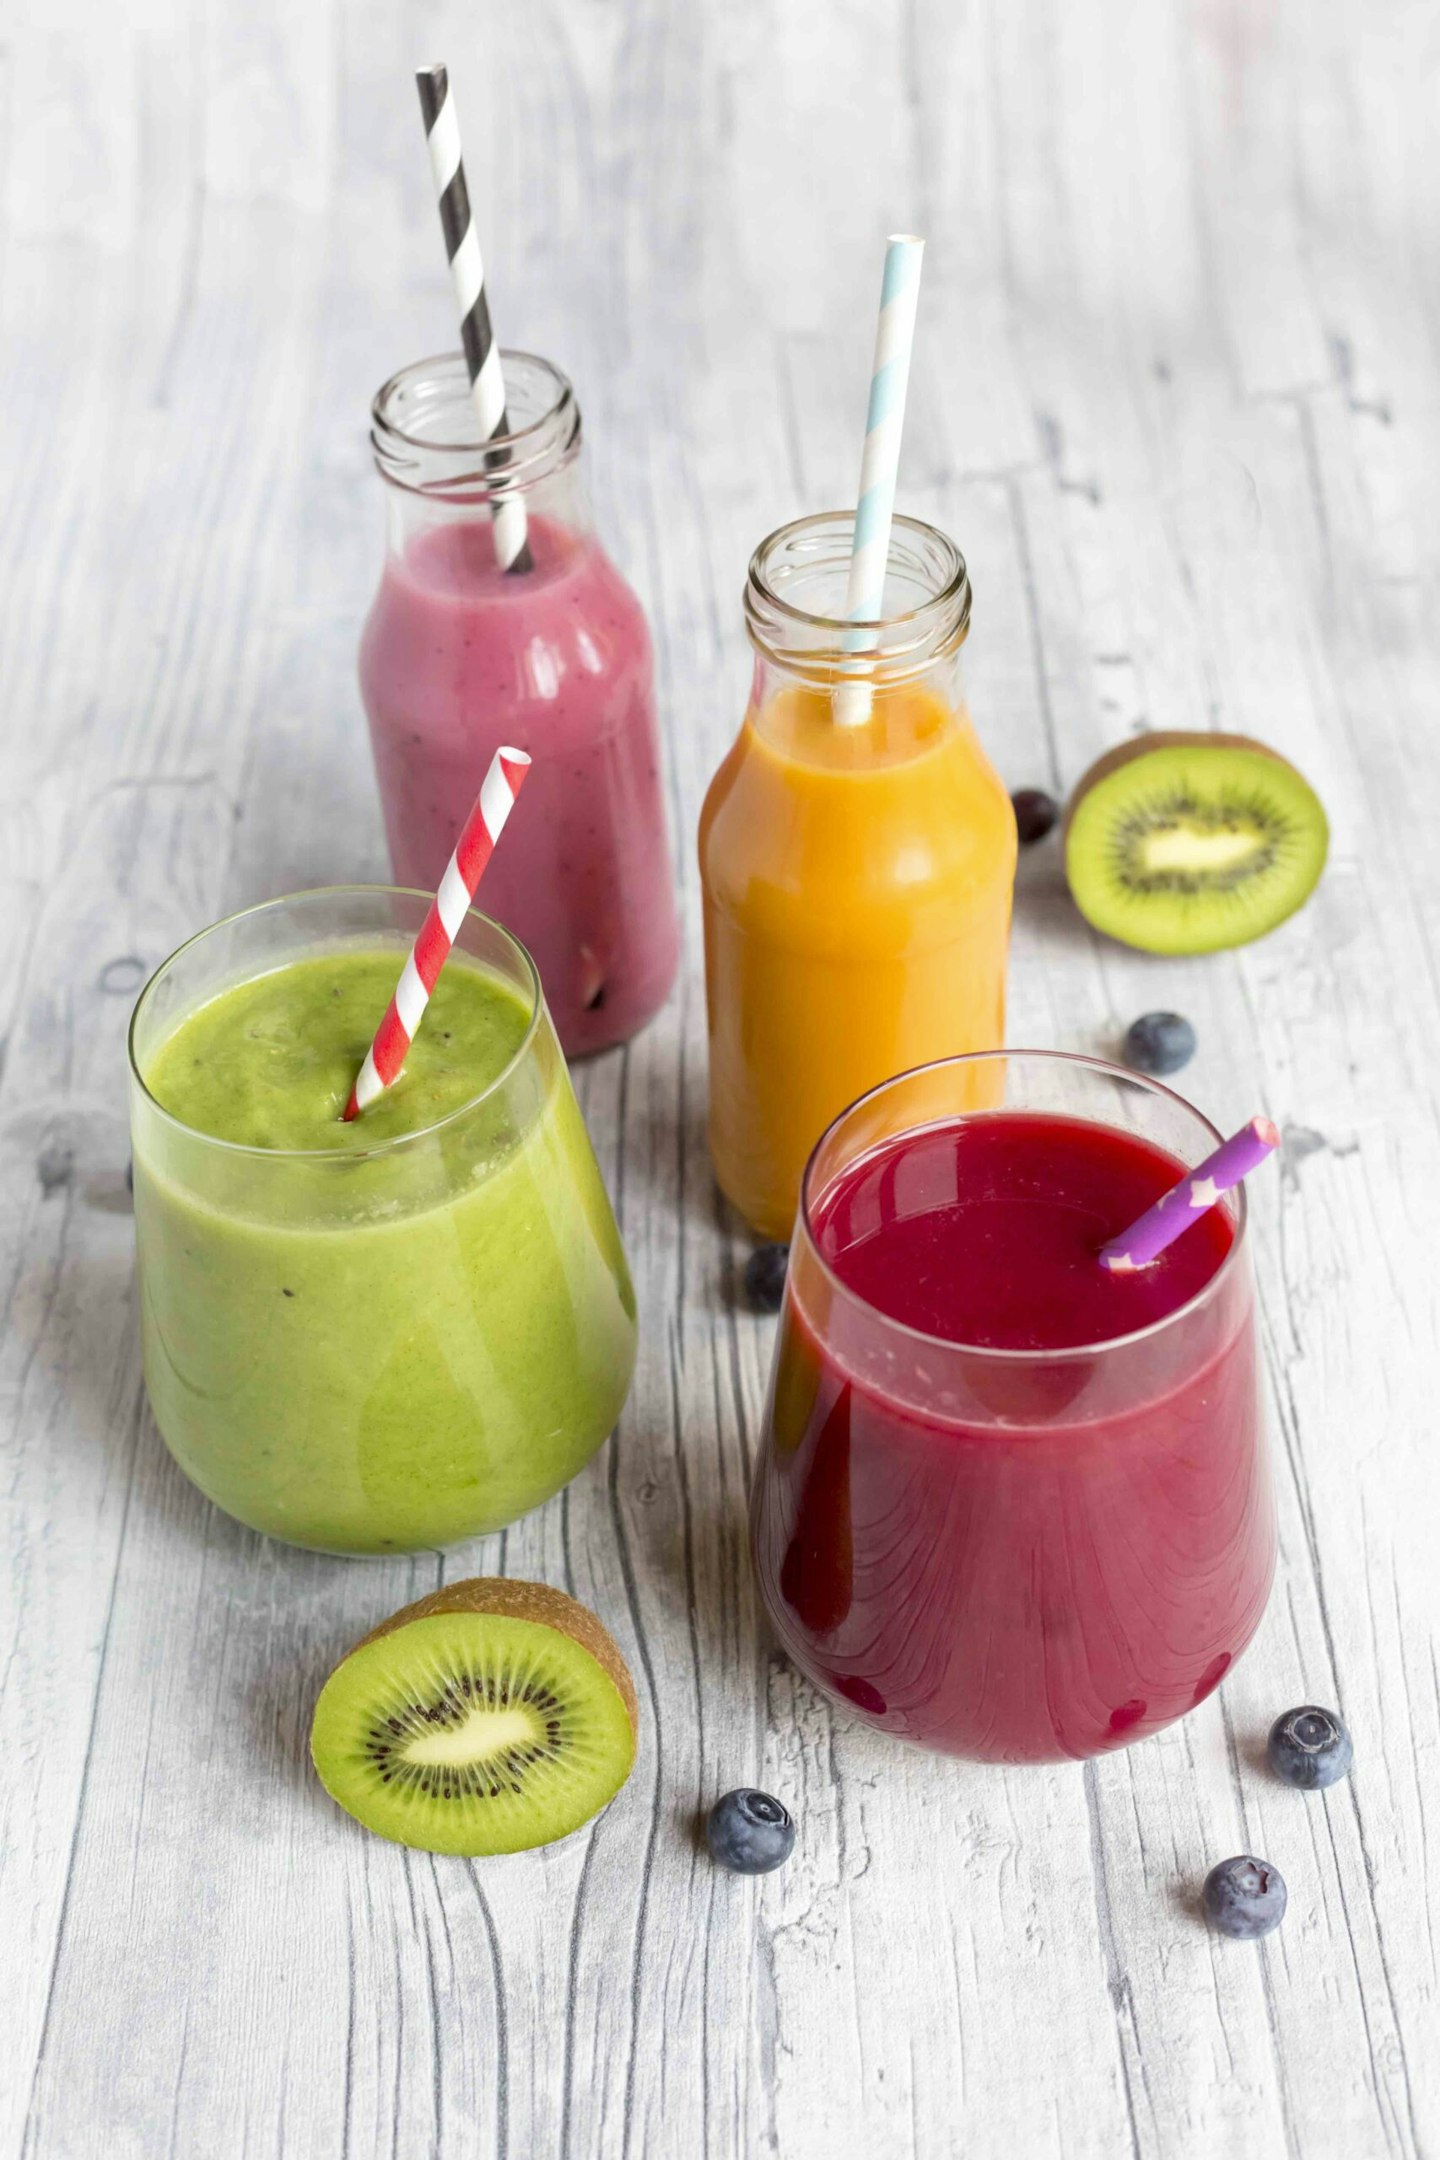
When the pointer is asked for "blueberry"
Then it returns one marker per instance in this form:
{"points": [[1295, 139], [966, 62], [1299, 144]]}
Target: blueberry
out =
{"points": [[1310, 1748], [1244, 1897], [749, 1832], [765, 1277], [1159, 1042], [1036, 814]]}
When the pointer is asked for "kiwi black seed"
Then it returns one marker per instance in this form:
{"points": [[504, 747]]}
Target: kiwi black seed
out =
{"points": [[488, 1717], [1185, 843]]}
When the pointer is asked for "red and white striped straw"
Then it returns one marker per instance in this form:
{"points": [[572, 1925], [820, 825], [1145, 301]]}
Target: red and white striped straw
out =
{"points": [[386, 1055]]}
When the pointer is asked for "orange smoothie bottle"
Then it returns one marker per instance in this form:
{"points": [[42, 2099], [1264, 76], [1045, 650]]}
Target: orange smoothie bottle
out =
{"points": [[857, 878]]}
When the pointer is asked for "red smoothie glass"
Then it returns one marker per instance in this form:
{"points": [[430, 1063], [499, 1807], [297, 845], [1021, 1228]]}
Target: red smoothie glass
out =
{"points": [[458, 656], [1008, 1505]]}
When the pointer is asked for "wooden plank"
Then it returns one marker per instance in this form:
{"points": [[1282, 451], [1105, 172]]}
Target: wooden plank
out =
{"points": [[1174, 395]]}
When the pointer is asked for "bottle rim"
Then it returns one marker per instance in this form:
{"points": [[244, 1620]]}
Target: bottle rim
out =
{"points": [[824, 645], [425, 463]]}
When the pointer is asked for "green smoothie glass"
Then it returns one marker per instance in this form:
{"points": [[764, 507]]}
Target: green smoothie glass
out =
{"points": [[370, 1347]]}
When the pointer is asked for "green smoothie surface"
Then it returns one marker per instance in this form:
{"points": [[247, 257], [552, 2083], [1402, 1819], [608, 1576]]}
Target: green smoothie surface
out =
{"points": [[270, 1063]]}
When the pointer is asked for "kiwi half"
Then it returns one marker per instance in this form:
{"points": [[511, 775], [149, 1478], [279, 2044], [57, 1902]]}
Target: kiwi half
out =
{"points": [[1184, 843], [486, 1718]]}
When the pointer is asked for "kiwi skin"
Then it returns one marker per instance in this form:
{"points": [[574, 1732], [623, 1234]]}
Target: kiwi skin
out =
{"points": [[520, 1601]]}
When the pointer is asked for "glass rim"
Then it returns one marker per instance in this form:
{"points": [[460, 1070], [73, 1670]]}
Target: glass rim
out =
{"points": [[512, 452], [1107, 1069], [396, 1141], [955, 589]]}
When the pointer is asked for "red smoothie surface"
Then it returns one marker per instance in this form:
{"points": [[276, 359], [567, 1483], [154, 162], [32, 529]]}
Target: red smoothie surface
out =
{"points": [[985, 1231]]}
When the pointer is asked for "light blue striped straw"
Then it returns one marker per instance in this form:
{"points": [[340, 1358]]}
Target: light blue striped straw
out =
{"points": [[884, 424]]}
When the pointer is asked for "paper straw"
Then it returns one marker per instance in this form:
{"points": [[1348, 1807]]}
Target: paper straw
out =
{"points": [[1198, 1190], [481, 830], [482, 354], [880, 462]]}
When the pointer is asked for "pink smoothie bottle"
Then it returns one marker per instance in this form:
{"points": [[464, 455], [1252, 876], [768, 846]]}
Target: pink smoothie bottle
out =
{"points": [[458, 656]]}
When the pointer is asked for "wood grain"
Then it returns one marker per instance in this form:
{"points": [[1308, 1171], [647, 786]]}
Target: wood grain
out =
{"points": [[1175, 394]]}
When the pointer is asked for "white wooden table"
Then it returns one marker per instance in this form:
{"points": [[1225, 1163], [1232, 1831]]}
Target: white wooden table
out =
{"points": [[1177, 396]]}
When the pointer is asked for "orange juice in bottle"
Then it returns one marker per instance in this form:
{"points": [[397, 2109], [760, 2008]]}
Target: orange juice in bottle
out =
{"points": [[857, 877]]}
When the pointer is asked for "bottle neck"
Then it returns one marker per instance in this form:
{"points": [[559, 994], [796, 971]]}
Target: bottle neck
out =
{"points": [[773, 678], [437, 469], [795, 610]]}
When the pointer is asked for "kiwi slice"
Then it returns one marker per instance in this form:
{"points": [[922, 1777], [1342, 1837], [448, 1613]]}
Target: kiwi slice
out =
{"points": [[1184, 843], [486, 1718]]}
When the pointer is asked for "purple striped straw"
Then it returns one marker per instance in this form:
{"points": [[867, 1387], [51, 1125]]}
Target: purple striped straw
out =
{"points": [[1198, 1190]]}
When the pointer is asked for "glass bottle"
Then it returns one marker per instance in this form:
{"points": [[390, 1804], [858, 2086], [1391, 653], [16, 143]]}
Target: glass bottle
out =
{"points": [[857, 878], [459, 656]]}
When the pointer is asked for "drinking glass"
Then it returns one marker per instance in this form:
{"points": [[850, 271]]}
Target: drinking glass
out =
{"points": [[385, 1350], [1013, 1555]]}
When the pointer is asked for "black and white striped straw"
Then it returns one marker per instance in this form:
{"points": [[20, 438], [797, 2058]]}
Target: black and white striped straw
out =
{"points": [[482, 354]]}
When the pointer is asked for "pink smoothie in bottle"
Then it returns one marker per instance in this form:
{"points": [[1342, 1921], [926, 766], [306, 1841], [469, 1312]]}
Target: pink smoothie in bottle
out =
{"points": [[459, 656]]}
